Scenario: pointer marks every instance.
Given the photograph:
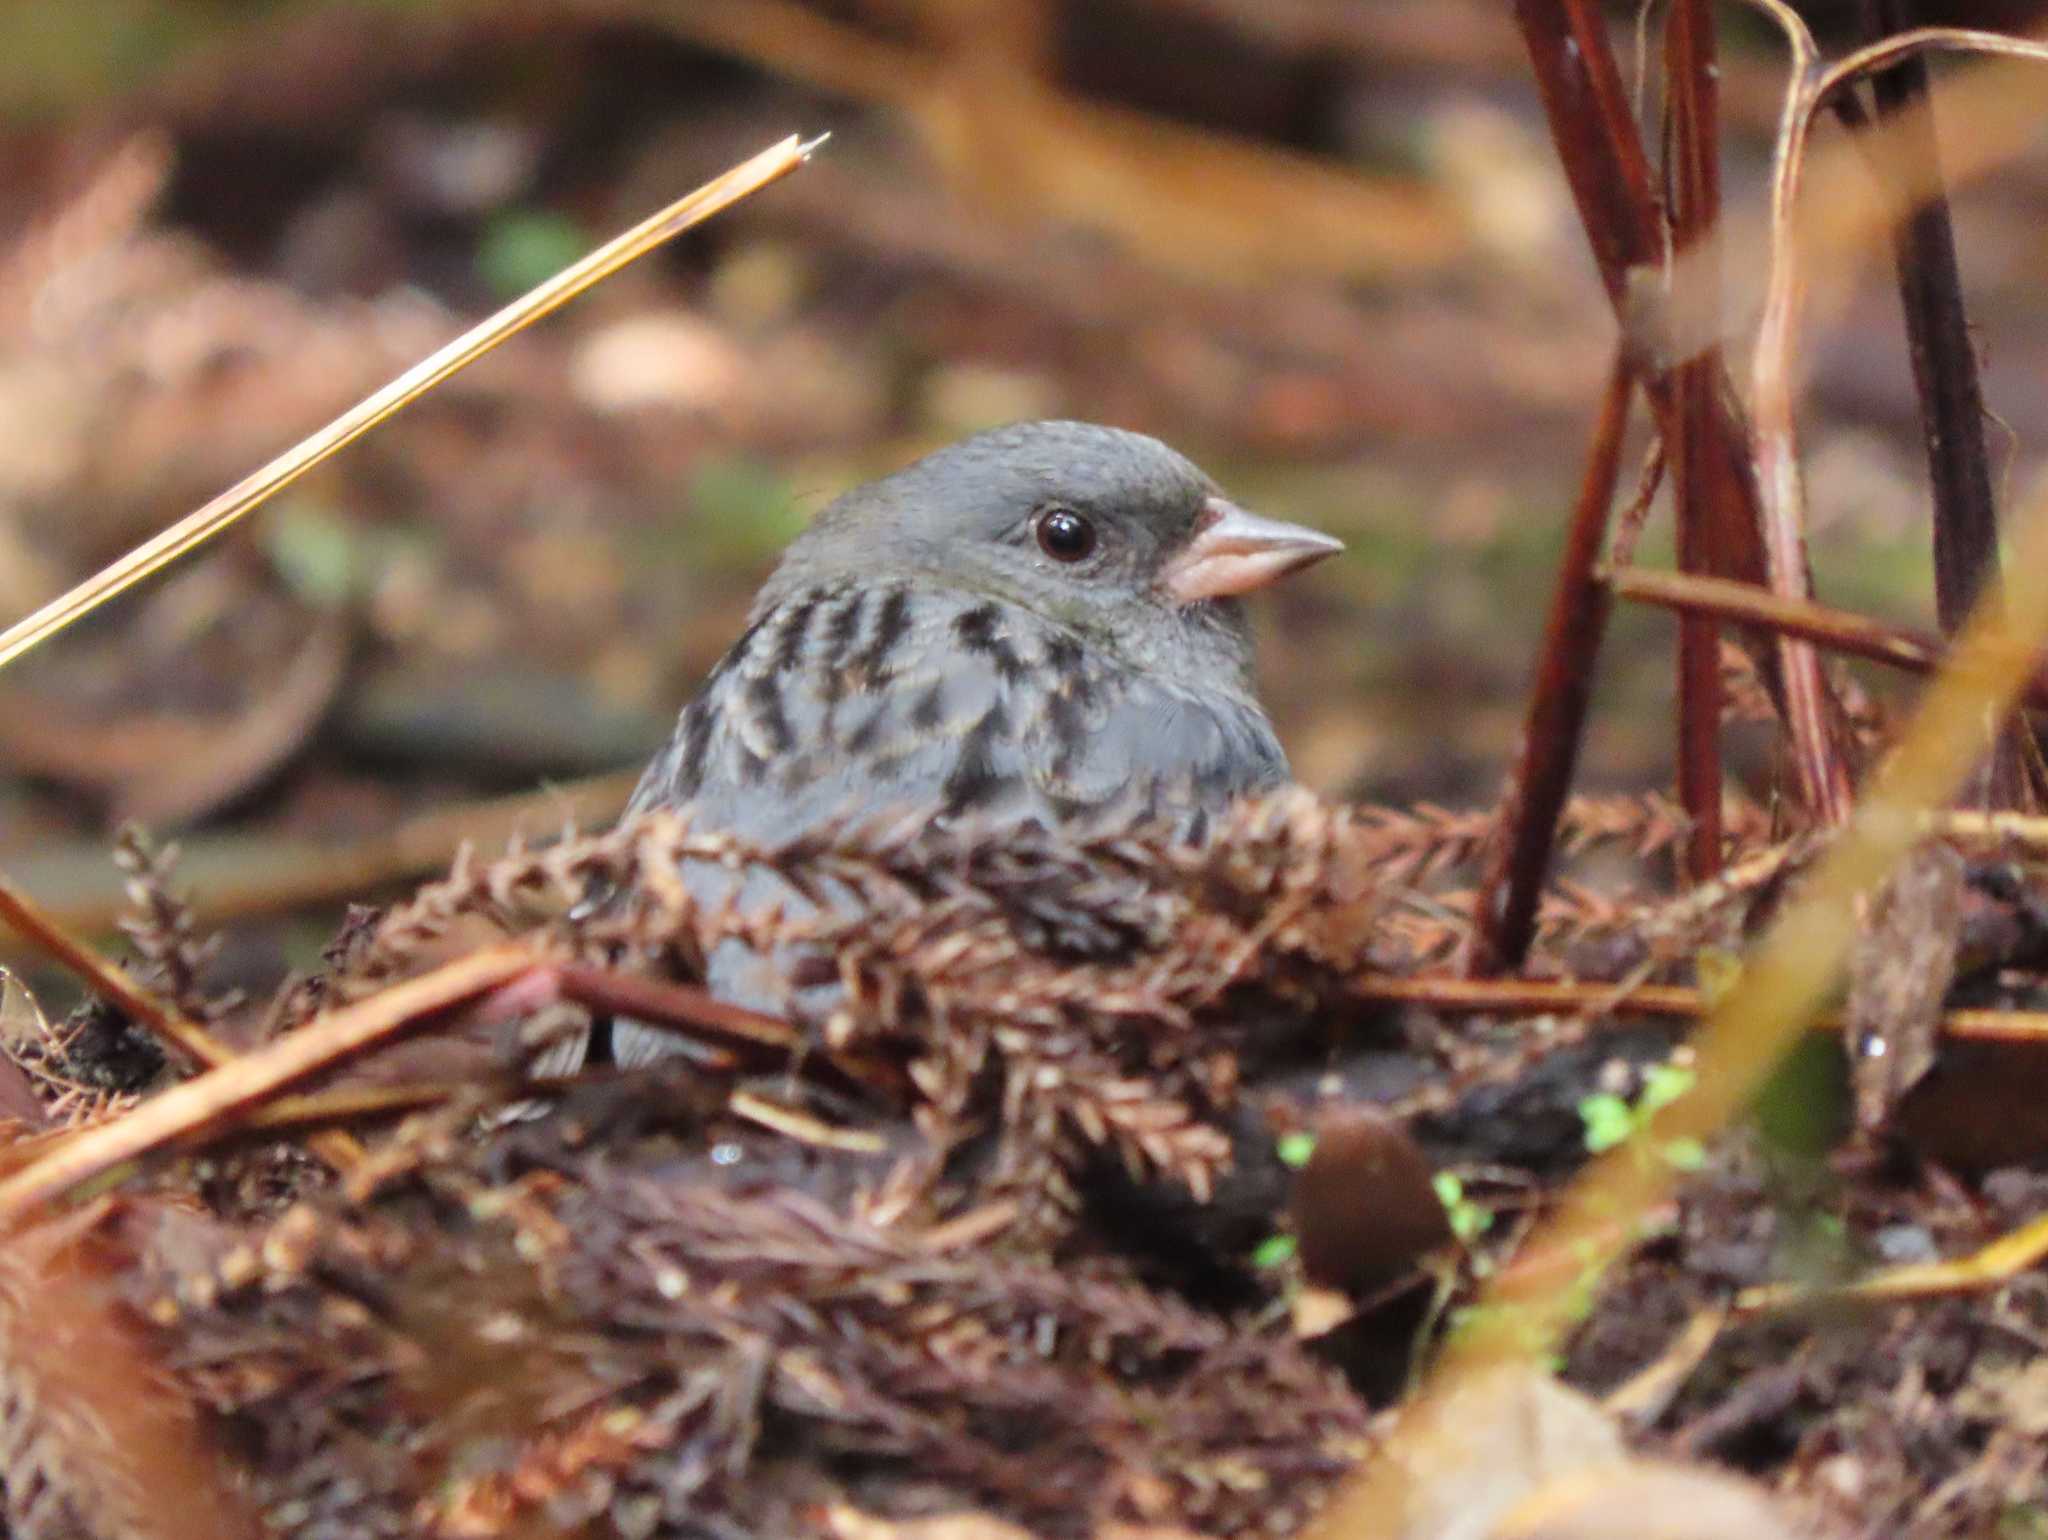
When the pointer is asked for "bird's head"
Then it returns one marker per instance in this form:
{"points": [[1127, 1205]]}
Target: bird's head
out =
{"points": [[1109, 533]]}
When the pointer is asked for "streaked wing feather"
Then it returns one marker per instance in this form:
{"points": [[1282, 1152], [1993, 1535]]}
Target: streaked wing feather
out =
{"points": [[850, 701]]}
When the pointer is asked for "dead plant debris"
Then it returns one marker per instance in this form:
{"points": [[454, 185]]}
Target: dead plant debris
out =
{"points": [[982, 1230]]}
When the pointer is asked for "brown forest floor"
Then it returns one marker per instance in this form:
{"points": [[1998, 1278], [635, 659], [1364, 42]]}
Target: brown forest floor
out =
{"points": [[515, 584]]}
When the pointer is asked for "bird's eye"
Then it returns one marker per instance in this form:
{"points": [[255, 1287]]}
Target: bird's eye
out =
{"points": [[1065, 535]]}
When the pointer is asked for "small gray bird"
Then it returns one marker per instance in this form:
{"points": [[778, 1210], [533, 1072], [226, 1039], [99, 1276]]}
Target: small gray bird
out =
{"points": [[1038, 623]]}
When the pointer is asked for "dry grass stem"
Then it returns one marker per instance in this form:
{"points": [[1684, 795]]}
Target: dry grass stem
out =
{"points": [[221, 1092], [113, 984], [1986, 1268], [155, 1016], [254, 490]]}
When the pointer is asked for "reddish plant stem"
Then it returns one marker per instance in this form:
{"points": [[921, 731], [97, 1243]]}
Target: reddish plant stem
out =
{"points": [[1450, 995], [1695, 175], [717, 1025], [1944, 362], [1609, 175], [1837, 630], [606, 990], [1596, 137], [1519, 855], [1946, 382]]}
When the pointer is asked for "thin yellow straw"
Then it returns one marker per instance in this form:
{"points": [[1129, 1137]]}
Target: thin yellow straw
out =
{"points": [[252, 491]]}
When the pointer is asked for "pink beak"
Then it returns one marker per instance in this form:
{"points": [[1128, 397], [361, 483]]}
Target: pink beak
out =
{"points": [[1234, 552]]}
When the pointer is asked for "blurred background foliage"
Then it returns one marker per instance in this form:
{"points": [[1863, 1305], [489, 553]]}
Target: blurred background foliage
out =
{"points": [[1323, 247]]}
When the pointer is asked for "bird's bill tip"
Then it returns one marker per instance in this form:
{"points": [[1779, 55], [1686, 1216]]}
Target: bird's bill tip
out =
{"points": [[1234, 552]]}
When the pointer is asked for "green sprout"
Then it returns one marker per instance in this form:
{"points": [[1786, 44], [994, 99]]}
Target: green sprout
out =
{"points": [[1295, 1149], [1274, 1251], [1611, 1121], [1469, 1218]]}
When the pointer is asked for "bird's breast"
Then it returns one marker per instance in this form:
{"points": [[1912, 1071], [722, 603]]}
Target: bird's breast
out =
{"points": [[851, 700]]}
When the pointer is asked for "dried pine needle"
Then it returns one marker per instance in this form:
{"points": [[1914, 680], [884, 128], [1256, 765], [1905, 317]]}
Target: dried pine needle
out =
{"points": [[720, 193]]}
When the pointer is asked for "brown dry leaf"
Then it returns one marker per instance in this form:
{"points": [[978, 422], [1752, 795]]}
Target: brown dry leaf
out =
{"points": [[851, 1524], [21, 1019], [1899, 974], [235, 755], [1645, 1500], [1316, 1312], [135, 372], [2014, 1396], [666, 359], [1467, 1458], [23, 1028], [93, 1435], [1190, 201], [164, 766], [846, 1523]]}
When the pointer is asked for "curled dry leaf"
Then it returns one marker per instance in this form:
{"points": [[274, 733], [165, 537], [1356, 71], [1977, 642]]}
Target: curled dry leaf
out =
{"points": [[1899, 974], [1462, 1460], [846, 1523], [23, 1028], [1645, 1500], [90, 725]]}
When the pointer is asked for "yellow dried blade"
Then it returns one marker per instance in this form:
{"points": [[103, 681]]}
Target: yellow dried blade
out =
{"points": [[252, 491]]}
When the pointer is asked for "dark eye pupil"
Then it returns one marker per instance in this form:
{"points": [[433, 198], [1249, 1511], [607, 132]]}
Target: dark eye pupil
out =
{"points": [[1065, 536]]}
